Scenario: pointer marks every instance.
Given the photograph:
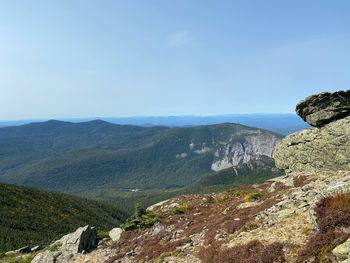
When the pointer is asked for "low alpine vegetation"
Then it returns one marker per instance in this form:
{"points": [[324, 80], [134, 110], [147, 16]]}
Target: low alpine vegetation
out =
{"points": [[333, 214], [140, 220]]}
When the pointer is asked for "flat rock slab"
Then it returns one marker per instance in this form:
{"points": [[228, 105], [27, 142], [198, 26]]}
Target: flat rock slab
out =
{"points": [[324, 107]]}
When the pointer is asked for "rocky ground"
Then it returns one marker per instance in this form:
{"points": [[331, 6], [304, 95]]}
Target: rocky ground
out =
{"points": [[198, 228]]}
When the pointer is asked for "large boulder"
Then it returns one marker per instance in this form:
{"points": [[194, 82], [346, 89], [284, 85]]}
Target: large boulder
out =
{"points": [[314, 149], [324, 108], [83, 239]]}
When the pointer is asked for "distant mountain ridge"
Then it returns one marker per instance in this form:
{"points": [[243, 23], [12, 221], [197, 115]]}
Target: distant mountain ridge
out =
{"points": [[282, 123], [78, 157]]}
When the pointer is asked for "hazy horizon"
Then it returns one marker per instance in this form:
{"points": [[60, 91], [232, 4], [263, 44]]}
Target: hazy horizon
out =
{"points": [[153, 116]]}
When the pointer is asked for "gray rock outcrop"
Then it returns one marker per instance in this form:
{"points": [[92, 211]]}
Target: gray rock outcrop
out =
{"points": [[83, 239], [324, 108], [252, 148], [318, 148]]}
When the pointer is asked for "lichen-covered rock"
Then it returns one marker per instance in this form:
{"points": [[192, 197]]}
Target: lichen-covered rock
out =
{"points": [[325, 107], [44, 257], [343, 249], [314, 149], [83, 239]]}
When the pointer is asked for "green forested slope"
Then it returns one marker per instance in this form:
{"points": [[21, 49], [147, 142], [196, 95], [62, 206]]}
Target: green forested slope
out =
{"points": [[123, 159], [255, 171], [32, 217], [20, 145]]}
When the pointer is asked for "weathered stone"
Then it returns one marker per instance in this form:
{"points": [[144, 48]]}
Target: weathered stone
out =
{"points": [[36, 248], [83, 239], [316, 149], [325, 107], [115, 233], [342, 249], [10, 253], [156, 229], [20, 250], [152, 207], [44, 257], [23, 250]]}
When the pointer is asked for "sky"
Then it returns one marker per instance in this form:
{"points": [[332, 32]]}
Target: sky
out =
{"points": [[118, 58]]}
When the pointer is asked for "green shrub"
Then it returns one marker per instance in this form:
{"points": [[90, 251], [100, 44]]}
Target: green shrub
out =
{"points": [[253, 197], [140, 220], [102, 234], [55, 246], [25, 260], [177, 211]]}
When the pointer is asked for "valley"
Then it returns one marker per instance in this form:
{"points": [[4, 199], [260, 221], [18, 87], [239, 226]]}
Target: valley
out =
{"points": [[96, 157]]}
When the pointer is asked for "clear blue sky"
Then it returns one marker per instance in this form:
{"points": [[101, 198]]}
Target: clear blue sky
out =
{"points": [[85, 58]]}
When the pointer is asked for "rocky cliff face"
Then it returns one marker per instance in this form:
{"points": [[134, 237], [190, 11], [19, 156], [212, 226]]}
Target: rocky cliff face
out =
{"points": [[253, 147], [321, 147]]}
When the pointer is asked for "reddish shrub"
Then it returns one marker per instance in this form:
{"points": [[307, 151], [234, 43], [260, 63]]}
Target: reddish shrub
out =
{"points": [[253, 252], [280, 186], [334, 215], [300, 180], [155, 248]]}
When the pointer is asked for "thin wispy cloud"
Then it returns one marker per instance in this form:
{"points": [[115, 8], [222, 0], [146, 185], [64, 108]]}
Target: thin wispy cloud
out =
{"points": [[181, 39]]}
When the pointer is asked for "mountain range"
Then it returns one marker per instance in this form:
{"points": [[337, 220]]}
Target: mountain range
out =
{"points": [[95, 157]]}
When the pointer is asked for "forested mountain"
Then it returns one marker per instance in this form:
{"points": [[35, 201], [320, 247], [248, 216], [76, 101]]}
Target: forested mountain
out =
{"points": [[32, 217], [23, 144], [78, 157]]}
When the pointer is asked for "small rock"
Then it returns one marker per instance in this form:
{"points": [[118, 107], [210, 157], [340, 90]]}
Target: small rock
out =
{"points": [[36, 248], [23, 250], [156, 229], [342, 249], [10, 253], [115, 233], [188, 245]]}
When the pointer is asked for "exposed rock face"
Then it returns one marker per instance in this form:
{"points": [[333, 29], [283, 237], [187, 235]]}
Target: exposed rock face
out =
{"points": [[325, 107], [252, 148], [316, 148], [326, 147], [83, 239]]}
